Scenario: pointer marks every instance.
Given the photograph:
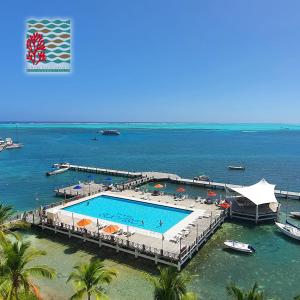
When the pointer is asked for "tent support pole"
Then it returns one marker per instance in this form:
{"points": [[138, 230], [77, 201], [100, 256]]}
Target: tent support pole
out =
{"points": [[256, 217]]}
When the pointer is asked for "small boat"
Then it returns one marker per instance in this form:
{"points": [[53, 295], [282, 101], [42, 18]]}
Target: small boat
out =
{"points": [[289, 230], [241, 168], [202, 178], [8, 143], [57, 171], [295, 214], [110, 132], [14, 146], [238, 246], [94, 139]]}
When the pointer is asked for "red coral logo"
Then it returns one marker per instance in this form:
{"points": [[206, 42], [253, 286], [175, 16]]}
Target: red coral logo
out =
{"points": [[36, 48]]}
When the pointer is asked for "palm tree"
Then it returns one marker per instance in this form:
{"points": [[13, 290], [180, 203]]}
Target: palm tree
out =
{"points": [[15, 273], [239, 294], [88, 278], [170, 285], [6, 227]]}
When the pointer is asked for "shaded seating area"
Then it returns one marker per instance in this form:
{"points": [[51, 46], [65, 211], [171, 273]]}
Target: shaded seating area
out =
{"points": [[256, 202]]}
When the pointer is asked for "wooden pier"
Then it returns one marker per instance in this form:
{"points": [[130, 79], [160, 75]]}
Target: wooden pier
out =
{"points": [[103, 171], [159, 176]]}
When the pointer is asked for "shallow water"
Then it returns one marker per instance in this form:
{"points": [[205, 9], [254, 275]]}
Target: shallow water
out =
{"points": [[184, 149]]}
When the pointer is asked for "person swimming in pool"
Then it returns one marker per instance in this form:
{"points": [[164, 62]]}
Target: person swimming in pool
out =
{"points": [[143, 222], [88, 203], [160, 223]]}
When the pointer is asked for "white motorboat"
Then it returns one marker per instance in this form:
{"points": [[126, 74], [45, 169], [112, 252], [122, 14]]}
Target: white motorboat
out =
{"points": [[295, 214], [289, 230], [202, 178], [237, 168], [238, 246], [8, 143]]}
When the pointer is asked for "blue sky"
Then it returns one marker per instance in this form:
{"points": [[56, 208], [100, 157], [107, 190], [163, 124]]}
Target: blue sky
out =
{"points": [[171, 60]]}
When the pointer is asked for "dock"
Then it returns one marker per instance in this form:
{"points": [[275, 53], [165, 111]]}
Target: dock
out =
{"points": [[159, 176], [151, 246], [104, 171]]}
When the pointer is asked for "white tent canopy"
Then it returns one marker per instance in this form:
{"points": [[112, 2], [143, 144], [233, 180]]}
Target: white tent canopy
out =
{"points": [[258, 193]]}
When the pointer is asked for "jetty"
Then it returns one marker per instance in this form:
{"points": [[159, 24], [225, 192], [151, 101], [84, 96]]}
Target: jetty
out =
{"points": [[160, 176]]}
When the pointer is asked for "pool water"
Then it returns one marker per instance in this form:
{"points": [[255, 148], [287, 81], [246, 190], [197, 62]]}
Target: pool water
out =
{"points": [[148, 216]]}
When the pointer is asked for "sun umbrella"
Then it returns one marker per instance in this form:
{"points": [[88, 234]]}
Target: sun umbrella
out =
{"points": [[211, 194], [77, 187], [225, 205], [111, 228], [158, 186], [84, 222], [180, 190]]}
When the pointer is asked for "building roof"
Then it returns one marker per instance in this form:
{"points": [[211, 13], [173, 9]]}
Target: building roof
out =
{"points": [[258, 193]]}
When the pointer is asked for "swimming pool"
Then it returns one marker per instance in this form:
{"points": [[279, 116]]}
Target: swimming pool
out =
{"points": [[148, 216]]}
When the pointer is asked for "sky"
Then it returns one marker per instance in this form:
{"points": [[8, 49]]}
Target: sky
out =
{"points": [[158, 60]]}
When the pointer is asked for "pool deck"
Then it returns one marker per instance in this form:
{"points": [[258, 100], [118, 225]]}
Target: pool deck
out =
{"points": [[198, 226]]}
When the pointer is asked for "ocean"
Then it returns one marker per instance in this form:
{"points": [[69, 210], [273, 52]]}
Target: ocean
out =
{"points": [[269, 151]]}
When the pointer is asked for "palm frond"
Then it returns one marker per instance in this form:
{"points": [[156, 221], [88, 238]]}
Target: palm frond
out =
{"points": [[235, 291], [32, 254], [41, 271]]}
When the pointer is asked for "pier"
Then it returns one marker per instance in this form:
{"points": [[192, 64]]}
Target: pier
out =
{"points": [[102, 171], [159, 176]]}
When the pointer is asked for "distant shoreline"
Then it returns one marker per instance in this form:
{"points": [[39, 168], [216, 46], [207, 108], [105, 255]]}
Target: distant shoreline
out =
{"points": [[243, 127]]}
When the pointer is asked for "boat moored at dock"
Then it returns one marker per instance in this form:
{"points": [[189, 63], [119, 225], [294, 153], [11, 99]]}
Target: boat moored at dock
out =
{"points": [[289, 230], [202, 178], [295, 214]]}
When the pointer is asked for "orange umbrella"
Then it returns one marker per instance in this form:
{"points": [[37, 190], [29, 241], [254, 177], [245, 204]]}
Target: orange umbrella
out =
{"points": [[225, 205], [111, 228], [158, 186], [84, 222], [211, 194], [180, 190]]}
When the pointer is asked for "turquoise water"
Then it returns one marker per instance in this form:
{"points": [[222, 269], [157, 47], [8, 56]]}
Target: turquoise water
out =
{"points": [[267, 150], [248, 127], [132, 213]]}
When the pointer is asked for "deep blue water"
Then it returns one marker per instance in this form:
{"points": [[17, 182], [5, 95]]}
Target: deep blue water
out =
{"points": [[149, 216]]}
